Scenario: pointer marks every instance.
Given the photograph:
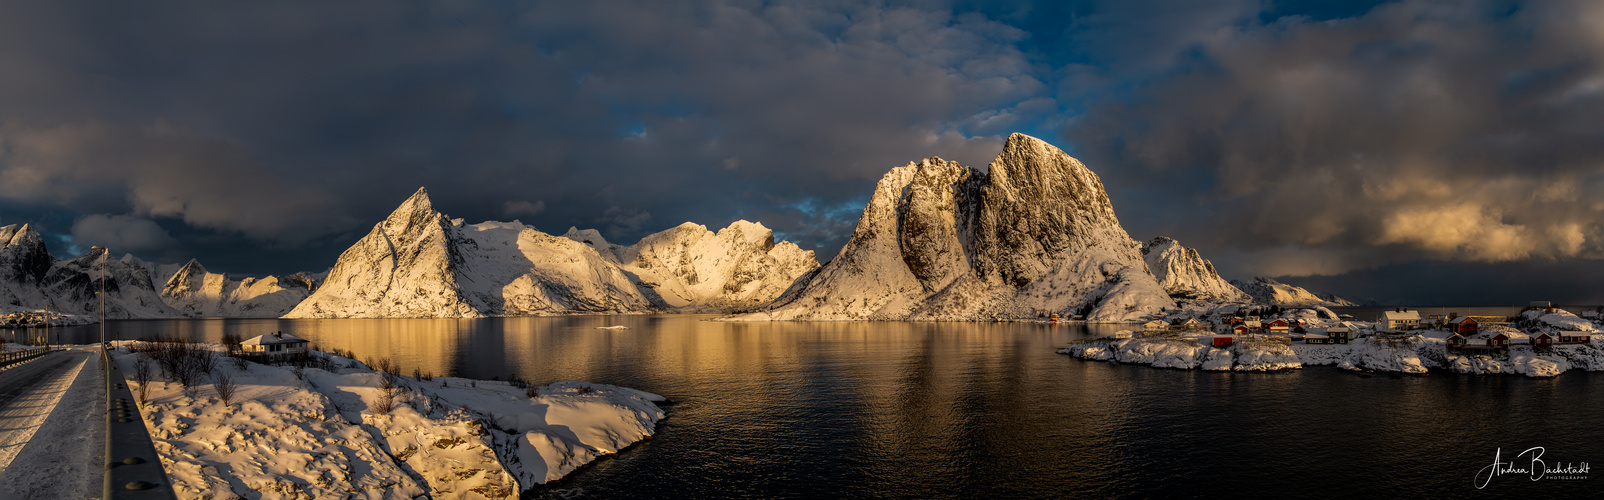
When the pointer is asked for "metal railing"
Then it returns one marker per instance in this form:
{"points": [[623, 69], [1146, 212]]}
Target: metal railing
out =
{"points": [[133, 470], [9, 358]]}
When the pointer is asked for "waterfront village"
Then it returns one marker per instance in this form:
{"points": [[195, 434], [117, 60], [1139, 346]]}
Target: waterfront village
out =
{"points": [[1541, 340]]}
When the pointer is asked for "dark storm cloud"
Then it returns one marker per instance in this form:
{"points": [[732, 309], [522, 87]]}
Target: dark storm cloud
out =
{"points": [[1461, 131], [267, 136], [124, 234], [293, 121]]}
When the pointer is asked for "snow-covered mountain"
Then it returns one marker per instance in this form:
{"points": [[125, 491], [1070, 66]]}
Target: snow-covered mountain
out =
{"points": [[690, 268], [1186, 275], [419, 263], [1271, 292], [195, 292], [942, 241], [31, 279]]}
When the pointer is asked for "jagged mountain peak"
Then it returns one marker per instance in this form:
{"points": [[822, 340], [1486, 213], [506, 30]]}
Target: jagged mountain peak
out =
{"points": [[942, 241], [192, 267], [416, 208], [1185, 274]]}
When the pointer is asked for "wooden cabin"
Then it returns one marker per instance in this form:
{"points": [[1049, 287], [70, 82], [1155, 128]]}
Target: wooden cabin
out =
{"points": [[275, 344], [1463, 325], [1574, 337], [1498, 341], [1222, 341], [1542, 340], [1239, 330], [1456, 340], [1278, 326], [1338, 334], [1193, 324]]}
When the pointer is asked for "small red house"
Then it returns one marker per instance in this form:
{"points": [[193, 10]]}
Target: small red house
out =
{"points": [[1499, 340], [1239, 329], [1462, 325], [1456, 340], [1542, 340], [1223, 341], [1277, 326]]}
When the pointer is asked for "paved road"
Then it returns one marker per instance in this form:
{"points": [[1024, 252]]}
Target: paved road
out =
{"points": [[52, 427]]}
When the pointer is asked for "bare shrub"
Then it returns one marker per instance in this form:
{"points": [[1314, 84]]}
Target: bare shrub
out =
{"points": [[532, 392], [585, 389], [231, 341], [225, 386], [389, 384], [142, 376]]}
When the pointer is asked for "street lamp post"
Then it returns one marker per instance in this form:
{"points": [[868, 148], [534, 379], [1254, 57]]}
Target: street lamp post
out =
{"points": [[103, 252]]}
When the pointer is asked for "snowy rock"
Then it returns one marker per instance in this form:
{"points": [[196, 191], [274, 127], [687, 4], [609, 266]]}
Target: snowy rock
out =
{"points": [[942, 241], [1185, 275], [332, 430]]}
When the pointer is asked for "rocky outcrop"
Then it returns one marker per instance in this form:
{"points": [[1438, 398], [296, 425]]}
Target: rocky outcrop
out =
{"points": [[1185, 275], [1035, 233]]}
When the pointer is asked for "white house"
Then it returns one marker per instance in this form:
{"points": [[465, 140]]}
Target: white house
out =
{"points": [[1156, 325], [1401, 319], [275, 344]]}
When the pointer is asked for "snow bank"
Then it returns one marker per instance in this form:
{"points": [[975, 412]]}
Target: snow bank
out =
{"points": [[324, 433]]}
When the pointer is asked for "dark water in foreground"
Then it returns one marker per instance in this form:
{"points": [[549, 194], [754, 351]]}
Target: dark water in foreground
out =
{"points": [[804, 410]]}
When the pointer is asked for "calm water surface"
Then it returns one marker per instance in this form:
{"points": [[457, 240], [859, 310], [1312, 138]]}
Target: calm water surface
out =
{"points": [[804, 410]]}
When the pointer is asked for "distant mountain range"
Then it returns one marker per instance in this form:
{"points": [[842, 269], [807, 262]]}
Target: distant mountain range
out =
{"points": [[1035, 233], [419, 263], [31, 280]]}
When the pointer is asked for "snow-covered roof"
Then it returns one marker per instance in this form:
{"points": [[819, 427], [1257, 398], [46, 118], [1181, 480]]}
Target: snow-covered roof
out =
{"points": [[1405, 315], [1313, 335], [273, 338], [1461, 319]]}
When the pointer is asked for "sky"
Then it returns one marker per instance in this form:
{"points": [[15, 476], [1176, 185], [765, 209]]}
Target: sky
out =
{"points": [[1408, 152]]}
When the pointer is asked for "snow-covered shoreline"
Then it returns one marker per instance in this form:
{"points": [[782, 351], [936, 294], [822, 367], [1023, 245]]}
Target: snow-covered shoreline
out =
{"points": [[324, 432], [1415, 354]]}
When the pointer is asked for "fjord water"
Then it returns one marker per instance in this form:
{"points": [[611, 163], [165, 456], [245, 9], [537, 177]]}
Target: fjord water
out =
{"points": [[890, 409]]}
